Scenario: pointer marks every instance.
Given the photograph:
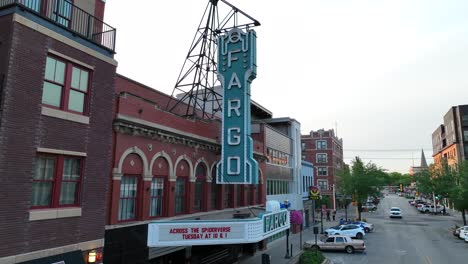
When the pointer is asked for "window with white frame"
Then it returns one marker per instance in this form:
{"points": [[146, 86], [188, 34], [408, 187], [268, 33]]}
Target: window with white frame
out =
{"points": [[322, 171], [322, 184], [321, 158], [321, 144]]}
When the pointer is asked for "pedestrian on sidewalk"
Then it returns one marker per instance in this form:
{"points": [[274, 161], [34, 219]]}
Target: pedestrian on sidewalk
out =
{"points": [[333, 215], [328, 215]]}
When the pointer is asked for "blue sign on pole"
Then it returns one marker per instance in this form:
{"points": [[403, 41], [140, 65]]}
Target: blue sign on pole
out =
{"points": [[236, 69]]}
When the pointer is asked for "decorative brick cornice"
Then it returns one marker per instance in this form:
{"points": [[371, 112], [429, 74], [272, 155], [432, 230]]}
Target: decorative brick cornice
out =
{"points": [[128, 128]]}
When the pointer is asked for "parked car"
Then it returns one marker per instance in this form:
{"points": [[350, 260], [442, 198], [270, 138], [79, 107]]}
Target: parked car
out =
{"points": [[366, 226], [347, 230], [419, 206], [430, 209], [395, 212], [456, 231], [463, 232], [337, 242], [369, 206]]}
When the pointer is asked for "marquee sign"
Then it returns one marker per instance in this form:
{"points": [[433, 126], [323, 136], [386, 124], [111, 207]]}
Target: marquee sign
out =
{"points": [[236, 70], [197, 232]]}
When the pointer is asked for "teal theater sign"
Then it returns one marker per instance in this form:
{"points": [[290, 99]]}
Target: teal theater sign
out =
{"points": [[236, 70]]}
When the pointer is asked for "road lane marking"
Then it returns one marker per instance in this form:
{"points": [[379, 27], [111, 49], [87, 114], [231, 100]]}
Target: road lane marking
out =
{"points": [[428, 260]]}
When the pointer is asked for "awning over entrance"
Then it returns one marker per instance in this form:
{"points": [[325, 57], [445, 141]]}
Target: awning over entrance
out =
{"points": [[217, 231]]}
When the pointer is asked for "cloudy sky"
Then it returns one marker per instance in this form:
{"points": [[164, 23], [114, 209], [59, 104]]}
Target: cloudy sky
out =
{"points": [[383, 72]]}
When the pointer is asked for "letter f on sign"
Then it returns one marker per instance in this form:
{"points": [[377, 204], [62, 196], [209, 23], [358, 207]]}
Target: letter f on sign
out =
{"points": [[230, 57]]}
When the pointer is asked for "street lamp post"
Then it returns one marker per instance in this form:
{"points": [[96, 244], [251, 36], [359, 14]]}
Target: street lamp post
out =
{"points": [[321, 215], [287, 256]]}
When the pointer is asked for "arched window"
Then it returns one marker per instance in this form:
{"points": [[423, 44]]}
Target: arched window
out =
{"points": [[182, 177], [158, 185], [200, 175], [130, 185]]}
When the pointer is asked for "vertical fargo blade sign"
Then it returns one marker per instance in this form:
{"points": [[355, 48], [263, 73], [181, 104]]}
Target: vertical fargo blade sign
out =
{"points": [[236, 69]]}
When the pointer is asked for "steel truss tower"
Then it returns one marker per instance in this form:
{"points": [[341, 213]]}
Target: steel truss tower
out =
{"points": [[197, 91]]}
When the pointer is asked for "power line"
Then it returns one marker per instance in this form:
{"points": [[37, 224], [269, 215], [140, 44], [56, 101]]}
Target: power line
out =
{"points": [[384, 158], [387, 150]]}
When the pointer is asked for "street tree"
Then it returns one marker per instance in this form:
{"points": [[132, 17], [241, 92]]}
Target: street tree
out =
{"points": [[361, 181], [459, 191]]}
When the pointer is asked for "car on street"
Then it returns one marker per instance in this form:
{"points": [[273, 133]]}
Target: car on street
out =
{"points": [[395, 212], [370, 206], [431, 209], [366, 226], [463, 232], [337, 243], [347, 230], [456, 231], [419, 206]]}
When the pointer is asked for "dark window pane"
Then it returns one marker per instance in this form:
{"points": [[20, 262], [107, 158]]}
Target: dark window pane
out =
{"points": [[128, 196], [68, 193], [198, 195], [71, 169], [42, 192], [180, 196], [157, 191]]}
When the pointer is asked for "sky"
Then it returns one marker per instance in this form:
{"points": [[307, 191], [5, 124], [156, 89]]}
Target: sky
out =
{"points": [[383, 73]]}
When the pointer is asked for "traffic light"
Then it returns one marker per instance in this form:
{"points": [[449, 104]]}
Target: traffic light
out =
{"points": [[401, 187]]}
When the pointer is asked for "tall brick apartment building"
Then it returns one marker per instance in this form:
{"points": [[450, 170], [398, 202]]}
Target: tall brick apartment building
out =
{"points": [[450, 140], [325, 150], [56, 98]]}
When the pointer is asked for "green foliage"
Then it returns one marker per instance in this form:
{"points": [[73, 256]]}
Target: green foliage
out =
{"points": [[395, 178], [446, 181], [312, 257], [361, 181]]}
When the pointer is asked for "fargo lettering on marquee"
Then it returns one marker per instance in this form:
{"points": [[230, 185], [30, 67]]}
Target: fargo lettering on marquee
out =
{"points": [[274, 221], [236, 70]]}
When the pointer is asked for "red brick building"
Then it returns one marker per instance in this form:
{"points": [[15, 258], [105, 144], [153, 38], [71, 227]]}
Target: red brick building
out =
{"points": [[163, 168], [56, 87], [325, 150]]}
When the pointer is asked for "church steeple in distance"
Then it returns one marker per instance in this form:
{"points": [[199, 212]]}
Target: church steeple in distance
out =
{"points": [[423, 159]]}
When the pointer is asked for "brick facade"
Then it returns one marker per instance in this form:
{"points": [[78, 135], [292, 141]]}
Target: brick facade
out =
{"points": [[23, 129], [334, 152]]}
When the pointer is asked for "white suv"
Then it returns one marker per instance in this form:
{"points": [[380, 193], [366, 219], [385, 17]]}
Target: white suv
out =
{"points": [[430, 209], [395, 212], [347, 230]]}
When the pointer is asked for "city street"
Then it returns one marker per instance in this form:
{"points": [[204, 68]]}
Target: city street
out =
{"points": [[415, 239]]}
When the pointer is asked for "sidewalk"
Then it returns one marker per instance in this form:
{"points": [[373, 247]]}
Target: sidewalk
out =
{"points": [[277, 248]]}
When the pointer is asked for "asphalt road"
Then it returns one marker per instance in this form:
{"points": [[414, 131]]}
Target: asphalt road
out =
{"points": [[415, 239]]}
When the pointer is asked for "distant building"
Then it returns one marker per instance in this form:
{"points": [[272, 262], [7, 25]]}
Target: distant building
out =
{"points": [[307, 174], [450, 140], [422, 167], [325, 150]]}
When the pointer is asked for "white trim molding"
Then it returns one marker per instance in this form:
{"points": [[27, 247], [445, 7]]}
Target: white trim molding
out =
{"points": [[166, 156], [83, 246], [64, 115], [190, 168], [53, 213], [62, 152], [61, 55]]}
